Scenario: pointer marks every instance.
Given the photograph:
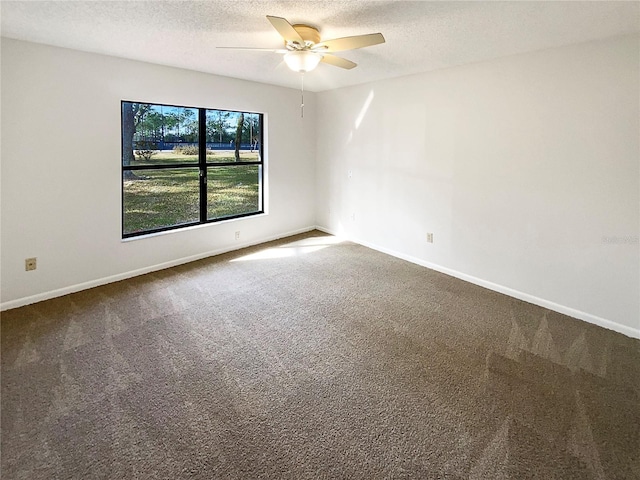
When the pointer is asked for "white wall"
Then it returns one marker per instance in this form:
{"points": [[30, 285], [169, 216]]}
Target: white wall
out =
{"points": [[526, 169], [61, 177]]}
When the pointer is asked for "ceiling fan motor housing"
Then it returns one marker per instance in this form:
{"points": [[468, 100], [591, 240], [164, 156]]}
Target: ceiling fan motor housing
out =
{"points": [[309, 34]]}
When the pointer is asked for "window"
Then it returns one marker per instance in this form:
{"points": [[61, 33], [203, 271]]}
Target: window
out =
{"points": [[185, 166]]}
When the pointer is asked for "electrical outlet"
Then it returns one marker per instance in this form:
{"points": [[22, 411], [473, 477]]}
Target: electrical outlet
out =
{"points": [[30, 264], [350, 173], [353, 217], [237, 235], [429, 237]]}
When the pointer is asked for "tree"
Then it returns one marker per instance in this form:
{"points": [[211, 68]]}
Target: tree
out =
{"points": [[217, 123], [172, 120], [239, 135], [151, 127], [190, 125], [132, 116], [254, 131], [128, 131]]}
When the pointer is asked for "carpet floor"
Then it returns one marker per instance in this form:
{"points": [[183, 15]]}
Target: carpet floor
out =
{"points": [[310, 358]]}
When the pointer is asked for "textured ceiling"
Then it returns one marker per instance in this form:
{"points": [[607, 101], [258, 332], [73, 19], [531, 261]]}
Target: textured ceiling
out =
{"points": [[421, 35]]}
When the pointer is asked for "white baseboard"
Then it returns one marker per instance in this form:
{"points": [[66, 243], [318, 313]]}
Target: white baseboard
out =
{"points": [[587, 317], [571, 312], [140, 271]]}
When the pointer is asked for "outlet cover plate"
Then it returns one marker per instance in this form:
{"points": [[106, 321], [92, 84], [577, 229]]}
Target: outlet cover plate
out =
{"points": [[30, 264]]}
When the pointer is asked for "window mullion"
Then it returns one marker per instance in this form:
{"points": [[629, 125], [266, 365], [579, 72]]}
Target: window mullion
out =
{"points": [[202, 156]]}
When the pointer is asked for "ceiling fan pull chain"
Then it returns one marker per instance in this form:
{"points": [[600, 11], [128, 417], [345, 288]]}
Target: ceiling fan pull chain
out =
{"points": [[302, 95]]}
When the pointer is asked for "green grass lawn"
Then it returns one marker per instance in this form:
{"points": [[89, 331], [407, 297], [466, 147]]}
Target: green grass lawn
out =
{"points": [[213, 156], [161, 198]]}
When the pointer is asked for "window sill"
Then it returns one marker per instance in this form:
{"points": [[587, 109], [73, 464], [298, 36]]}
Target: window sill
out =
{"points": [[189, 228]]}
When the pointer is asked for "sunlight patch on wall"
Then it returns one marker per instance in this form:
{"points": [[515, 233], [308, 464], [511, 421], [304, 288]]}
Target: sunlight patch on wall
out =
{"points": [[364, 109]]}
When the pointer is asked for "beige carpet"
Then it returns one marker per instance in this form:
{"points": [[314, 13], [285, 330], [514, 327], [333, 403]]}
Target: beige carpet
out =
{"points": [[312, 359]]}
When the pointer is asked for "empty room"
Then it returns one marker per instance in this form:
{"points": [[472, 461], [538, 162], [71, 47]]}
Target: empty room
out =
{"points": [[320, 240]]}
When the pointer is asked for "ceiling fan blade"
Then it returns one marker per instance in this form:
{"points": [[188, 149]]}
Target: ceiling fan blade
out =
{"points": [[350, 43], [276, 50], [285, 29], [338, 61]]}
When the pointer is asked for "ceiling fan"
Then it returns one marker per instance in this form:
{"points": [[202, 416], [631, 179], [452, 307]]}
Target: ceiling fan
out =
{"points": [[303, 49]]}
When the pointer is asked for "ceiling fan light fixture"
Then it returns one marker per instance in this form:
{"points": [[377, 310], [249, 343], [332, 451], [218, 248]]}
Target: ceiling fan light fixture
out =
{"points": [[302, 61]]}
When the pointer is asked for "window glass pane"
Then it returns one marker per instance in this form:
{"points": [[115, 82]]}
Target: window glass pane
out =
{"points": [[160, 198], [233, 190], [227, 130], [158, 134]]}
